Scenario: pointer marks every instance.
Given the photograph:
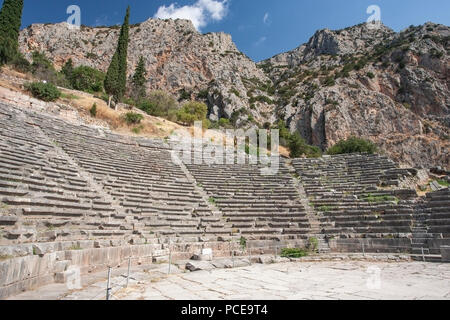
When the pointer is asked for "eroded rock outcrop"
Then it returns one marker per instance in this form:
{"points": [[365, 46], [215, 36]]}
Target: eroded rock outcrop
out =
{"points": [[176, 55], [392, 88]]}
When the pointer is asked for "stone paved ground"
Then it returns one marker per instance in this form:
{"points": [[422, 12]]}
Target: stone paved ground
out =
{"points": [[311, 280], [347, 280]]}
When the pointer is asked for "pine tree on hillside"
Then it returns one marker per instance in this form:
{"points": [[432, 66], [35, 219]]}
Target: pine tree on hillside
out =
{"points": [[139, 79], [10, 22], [116, 77]]}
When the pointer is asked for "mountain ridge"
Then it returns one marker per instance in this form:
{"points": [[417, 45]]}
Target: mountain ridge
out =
{"points": [[390, 87]]}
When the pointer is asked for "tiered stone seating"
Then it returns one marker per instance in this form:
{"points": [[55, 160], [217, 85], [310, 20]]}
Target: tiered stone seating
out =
{"points": [[65, 182], [42, 194], [254, 205], [347, 191], [156, 196], [438, 208], [434, 229]]}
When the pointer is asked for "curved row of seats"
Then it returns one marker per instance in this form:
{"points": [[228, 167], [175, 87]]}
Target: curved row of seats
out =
{"points": [[64, 182], [355, 196], [43, 196], [259, 206], [154, 193]]}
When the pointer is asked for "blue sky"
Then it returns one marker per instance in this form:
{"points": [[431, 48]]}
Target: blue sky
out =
{"points": [[260, 28]]}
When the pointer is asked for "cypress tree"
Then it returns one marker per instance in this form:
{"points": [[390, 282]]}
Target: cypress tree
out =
{"points": [[10, 22], [116, 76], [112, 75], [67, 69], [139, 79]]}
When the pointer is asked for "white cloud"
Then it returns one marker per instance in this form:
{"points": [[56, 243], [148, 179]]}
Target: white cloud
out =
{"points": [[266, 19], [101, 21], [260, 41], [200, 13]]}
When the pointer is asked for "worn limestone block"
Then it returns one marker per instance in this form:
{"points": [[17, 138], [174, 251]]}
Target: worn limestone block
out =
{"points": [[101, 243], [162, 252], [44, 248], [61, 266], [19, 269], [266, 260], [205, 255], [160, 259], [16, 250], [445, 252], [199, 266], [237, 263]]}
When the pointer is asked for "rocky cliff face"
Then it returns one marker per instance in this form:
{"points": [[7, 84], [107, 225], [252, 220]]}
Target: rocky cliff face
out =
{"points": [[348, 41], [374, 83], [392, 88], [177, 58]]}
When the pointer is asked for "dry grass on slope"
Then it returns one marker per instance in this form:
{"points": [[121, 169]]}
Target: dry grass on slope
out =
{"points": [[80, 103], [150, 126]]}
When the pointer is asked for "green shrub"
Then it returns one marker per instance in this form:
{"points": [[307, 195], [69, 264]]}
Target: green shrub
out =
{"points": [[293, 253], [203, 95], [43, 91], [133, 118], [20, 64], [212, 200], [376, 198], [146, 106], [93, 110], [370, 75], [313, 244], [332, 102], [284, 131], [434, 53], [325, 208], [91, 55], [128, 100], [299, 147], [41, 63], [263, 99], [235, 117], [329, 82], [43, 69], [159, 104], [192, 111], [234, 91], [243, 243], [103, 96], [353, 145], [443, 182], [184, 95], [360, 64], [88, 79], [296, 144], [225, 123]]}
